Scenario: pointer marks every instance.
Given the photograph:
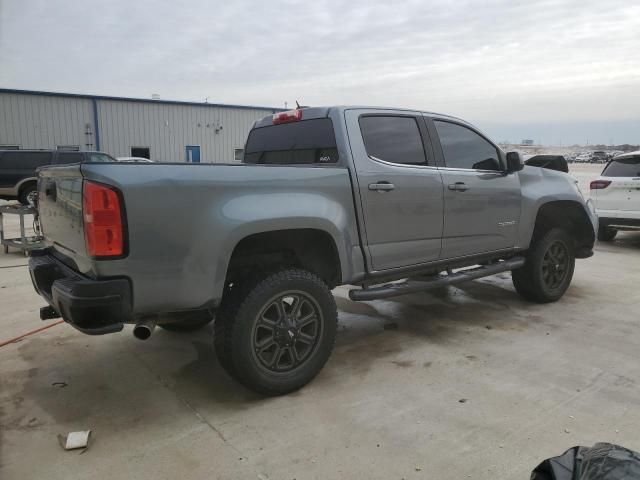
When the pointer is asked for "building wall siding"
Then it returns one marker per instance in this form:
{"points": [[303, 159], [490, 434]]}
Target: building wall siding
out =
{"points": [[32, 121], [44, 121]]}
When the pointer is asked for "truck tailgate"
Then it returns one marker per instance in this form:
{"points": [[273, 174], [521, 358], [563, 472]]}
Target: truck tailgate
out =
{"points": [[60, 210]]}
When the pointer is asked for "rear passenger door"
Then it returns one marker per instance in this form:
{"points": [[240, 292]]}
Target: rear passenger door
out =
{"points": [[19, 165], [399, 186], [481, 202]]}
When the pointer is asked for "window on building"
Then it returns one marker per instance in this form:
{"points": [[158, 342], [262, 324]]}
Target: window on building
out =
{"points": [[464, 148], [70, 148], [9, 147], [238, 154], [297, 143], [70, 157], [141, 152], [393, 139]]}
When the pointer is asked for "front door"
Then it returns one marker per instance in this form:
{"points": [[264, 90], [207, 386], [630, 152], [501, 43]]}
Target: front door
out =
{"points": [[481, 202], [193, 153], [400, 188]]}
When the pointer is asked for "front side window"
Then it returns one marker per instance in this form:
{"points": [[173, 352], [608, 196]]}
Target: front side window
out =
{"points": [[393, 139], [298, 143], [464, 148], [623, 167]]}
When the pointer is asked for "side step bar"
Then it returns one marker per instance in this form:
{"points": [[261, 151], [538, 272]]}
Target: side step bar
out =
{"points": [[411, 286]]}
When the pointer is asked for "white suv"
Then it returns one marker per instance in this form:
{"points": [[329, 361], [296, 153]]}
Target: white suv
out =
{"points": [[616, 195]]}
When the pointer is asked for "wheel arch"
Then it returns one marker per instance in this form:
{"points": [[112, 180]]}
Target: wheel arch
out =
{"points": [[24, 183], [569, 215], [312, 249]]}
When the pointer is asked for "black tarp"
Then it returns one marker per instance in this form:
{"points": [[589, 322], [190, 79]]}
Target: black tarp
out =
{"points": [[552, 162], [603, 461]]}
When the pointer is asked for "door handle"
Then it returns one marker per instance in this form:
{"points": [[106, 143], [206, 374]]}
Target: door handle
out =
{"points": [[382, 186], [458, 187]]}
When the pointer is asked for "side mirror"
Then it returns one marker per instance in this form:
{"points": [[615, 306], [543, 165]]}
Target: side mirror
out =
{"points": [[514, 162]]}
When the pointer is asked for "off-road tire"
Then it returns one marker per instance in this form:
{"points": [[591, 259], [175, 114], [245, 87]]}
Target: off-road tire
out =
{"points": [[606, 234], [529, 280], [190, 323], [242, 311]]}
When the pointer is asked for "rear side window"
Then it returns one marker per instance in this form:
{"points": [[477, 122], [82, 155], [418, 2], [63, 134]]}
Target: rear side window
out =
{"points": [[393, 139], [464, 148], [623, 167], [99, 157], [63, 158], [297, 143], [24, 160]]}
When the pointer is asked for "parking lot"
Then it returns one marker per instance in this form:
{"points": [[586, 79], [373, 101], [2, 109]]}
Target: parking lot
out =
{"points": [[468, 381]]}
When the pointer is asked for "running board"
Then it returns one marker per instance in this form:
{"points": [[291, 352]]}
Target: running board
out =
{"points": [[411, 286]]}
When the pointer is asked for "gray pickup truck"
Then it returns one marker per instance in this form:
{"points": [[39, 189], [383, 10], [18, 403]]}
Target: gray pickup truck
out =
{"points": [[391, 201]]}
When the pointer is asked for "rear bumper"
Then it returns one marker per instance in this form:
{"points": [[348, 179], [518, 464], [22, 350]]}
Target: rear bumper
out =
{"points": [[94, 307]]}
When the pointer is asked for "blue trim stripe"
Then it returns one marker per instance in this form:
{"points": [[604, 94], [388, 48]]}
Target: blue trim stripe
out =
{"points": [[138, 100], [96, 126]]}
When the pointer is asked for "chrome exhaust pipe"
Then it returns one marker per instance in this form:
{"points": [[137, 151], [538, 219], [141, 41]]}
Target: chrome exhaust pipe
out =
{"points": [[144, 329]]}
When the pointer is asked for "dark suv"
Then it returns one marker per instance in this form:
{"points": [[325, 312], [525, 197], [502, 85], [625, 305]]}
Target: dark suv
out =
{"points": [[18, 169]]}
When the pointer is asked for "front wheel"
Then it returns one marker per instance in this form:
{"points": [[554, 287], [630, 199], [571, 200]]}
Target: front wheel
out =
{"points": [[276, 334], [549, 268]]}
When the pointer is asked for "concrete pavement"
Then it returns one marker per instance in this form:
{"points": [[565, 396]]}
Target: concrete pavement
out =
{"points": [[474, 381]]}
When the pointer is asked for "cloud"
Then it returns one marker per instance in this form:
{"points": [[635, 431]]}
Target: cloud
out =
{"points": [[491, 61]]}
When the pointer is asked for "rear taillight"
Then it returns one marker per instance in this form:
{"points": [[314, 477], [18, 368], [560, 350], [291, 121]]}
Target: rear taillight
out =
{"points": [[103, 232], [287, 117], [599, 184]]}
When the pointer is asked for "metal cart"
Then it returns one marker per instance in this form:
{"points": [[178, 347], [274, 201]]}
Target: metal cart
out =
{"points": [[24, 242]]}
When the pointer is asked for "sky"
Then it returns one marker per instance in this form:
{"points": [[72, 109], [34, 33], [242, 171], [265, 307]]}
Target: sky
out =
{"points": [[558, 72]]}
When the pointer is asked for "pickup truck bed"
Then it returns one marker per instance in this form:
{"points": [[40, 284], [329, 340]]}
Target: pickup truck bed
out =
{"points": [[325, 197]]}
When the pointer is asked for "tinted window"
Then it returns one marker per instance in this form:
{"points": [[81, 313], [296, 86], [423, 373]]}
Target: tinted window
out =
{"points": [[623, 167], [68, 158], [464, 148], [306, 142], [25, 160], [393, 139], [99, 157]]}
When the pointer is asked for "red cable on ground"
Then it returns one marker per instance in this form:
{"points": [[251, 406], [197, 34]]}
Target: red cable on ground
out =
{"points": [[7, 342]]}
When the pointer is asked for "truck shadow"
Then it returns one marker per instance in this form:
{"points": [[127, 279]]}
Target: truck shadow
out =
{"points": [[120, 382]]}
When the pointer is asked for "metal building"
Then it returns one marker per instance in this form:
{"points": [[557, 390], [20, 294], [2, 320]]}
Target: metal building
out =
{"points": [[168, 131]]}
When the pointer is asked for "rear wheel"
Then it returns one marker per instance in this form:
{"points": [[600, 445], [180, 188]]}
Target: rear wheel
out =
{"points": [[276, 334], [549, 268], [28, 194], [606, 234]]}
